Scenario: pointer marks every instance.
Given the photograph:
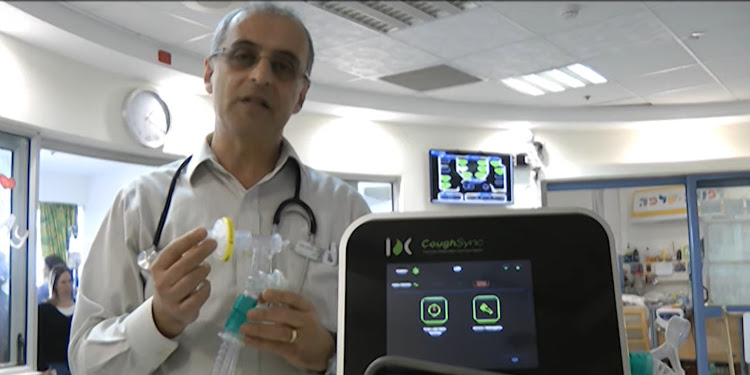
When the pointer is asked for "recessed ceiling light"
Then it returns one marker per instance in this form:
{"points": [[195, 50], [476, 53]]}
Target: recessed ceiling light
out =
{"points": [[564, 78], [522, 86], [543, 83], [555, 80], [587, 73], [696, 35]]}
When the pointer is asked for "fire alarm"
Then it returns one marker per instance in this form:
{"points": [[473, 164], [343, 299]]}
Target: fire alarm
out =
{"points": [[165, 57]]}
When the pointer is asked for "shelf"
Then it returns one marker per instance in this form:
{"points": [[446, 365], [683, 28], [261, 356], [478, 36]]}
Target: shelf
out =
{"points": [[659, 219], [675, 278]]}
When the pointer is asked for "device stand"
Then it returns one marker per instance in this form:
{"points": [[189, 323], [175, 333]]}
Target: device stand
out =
{"points": [[397, 362]]}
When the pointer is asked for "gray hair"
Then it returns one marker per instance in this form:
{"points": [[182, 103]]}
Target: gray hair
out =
{"points": [[239, 14]]}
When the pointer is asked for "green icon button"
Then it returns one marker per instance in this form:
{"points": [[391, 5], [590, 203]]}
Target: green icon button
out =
{"points": [[434, 310], [486, 309]]}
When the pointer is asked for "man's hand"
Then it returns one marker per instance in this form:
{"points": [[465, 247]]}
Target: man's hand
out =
{"points": [[180, 284], [296, 333]]}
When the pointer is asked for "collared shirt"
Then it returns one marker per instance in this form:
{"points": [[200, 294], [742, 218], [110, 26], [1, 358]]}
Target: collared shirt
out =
{"points": [[113, 330]]}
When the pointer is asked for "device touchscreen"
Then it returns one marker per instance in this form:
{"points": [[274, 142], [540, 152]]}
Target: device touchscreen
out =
{"points": [[477, 314]]}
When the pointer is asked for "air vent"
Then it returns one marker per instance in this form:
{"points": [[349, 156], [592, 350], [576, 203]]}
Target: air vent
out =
{"points": [[432, 78], [388, 16]]}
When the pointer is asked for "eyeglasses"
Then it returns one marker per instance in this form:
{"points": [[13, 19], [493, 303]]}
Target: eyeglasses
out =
{"points": [[284, 66]]}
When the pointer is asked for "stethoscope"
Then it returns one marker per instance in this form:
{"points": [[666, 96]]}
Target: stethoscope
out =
{"points": [[147, 257]]}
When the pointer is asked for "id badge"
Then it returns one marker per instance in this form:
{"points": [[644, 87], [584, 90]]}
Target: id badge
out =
{"points": [[331, 257], [308, 250]]}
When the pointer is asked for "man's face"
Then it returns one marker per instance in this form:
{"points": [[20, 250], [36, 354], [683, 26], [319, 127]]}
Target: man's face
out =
{"points": [[258, 78]]}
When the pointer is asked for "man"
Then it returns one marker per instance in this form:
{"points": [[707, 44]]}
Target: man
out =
{"points": [[50, 261], [258, 75]]}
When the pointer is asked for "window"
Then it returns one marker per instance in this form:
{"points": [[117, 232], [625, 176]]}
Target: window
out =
{"points": [[378, 194]]}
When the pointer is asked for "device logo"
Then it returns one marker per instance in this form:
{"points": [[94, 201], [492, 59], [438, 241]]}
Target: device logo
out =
{"points": [[398, 247]]}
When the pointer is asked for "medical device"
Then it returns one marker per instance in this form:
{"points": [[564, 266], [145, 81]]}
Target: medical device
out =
{"points": [[260, 276], [147, 257], [509, 291]]}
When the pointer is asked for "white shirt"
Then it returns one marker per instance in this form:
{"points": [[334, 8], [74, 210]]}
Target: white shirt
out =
{"points": [[113, 331], [67, 311]]}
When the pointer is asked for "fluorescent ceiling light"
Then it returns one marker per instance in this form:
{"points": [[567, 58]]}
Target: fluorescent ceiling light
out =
{"points": [[521, 86], [555, 80], [543, 83], [564, 78], [587, 73]]}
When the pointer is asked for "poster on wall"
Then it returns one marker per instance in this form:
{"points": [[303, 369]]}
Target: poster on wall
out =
{"points": [[667, 202]]}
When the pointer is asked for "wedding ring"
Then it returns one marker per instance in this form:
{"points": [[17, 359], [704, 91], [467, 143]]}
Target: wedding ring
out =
{"points": [[294, 336]]}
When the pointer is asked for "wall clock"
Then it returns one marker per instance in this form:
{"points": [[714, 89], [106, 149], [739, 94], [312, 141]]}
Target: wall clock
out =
{"points": [[147, 117]]}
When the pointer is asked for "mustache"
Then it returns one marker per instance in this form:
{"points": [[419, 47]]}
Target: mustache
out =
{"points": [[263, 100]]}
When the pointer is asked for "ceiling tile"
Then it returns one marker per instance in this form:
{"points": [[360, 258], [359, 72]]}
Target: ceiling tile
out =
{"points": [[740, 87], [376, 57], [376, 85], [325, 73], [604, 92], [450, 37], [528, 56], [707, 93], [143, 20], [721, 43], [640, 59], [730, 67], [649, 84], [200, 44], [328, 30], [612, 36], [87, 5], [685, 17], [545, 17], [627, 101], [483, 92], [178, 8]]}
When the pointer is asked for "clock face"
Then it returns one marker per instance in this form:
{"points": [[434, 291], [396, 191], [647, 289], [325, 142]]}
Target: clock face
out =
{"points": [[147, 117]]}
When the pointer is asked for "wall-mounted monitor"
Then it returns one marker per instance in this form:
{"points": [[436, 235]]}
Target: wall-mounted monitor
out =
{"points": [[463, 177]]}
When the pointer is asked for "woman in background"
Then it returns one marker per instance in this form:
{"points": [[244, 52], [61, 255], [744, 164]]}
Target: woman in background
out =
{"points": [[55, 316]]}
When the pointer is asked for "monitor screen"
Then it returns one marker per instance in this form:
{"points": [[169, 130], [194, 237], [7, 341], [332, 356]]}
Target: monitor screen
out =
{"points": [[471, 177], [467, 313]]}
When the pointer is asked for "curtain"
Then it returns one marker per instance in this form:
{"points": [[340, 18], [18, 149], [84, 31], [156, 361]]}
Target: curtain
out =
{"points": [[57, 220]]}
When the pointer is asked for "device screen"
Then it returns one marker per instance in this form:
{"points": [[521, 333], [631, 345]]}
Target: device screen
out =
{"points": [[463, 177], [472, 314]]}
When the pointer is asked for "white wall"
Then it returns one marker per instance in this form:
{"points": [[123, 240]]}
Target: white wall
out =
{"points": [[46, 91], [364, 147], [63, 188], [648, 148]]}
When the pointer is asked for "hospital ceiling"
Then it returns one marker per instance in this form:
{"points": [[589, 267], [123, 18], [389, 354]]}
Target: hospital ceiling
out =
{"points": [[652, 54]]}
